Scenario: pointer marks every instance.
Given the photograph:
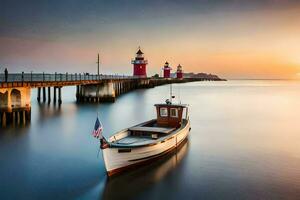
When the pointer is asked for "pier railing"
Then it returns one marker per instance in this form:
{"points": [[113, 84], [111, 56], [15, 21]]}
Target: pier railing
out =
{"points": [[57, 77]]}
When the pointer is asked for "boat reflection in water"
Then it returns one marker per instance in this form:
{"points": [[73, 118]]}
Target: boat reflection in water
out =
{"points": [[131, 183]]}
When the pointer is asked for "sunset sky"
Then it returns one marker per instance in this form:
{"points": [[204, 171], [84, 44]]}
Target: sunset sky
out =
{"points": [[233, 38]]}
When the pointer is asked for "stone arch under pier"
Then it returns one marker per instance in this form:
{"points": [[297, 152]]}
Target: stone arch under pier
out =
{"points": [[15, 106], [15, 96]]}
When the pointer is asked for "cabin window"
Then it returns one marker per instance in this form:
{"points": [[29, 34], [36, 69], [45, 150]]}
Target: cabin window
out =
{"points": [[174, 112], [154, 136], [163, 112]]}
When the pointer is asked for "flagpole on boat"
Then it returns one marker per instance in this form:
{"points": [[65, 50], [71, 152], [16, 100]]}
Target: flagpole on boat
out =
{"points": [[97, 133], [99, 138]]}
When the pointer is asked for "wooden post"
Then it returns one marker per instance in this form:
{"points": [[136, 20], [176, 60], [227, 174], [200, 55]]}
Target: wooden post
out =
{"points": [[54, 95], [28, 115], [124, 87], [39, 95], [24, 117], [77, 93], [4, 120], [82, 93], [18, 118], [116, 89], [13, 118], [49, 95], [121, 87], [59, 95], [44, 94]]}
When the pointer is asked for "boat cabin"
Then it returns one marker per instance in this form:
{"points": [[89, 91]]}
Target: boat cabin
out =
{"points": [[170, 118], [170, 115]]}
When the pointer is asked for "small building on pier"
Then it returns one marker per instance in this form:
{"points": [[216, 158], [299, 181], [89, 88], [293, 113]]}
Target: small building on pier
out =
{"points": [[179, 72], [139, 65], [167, 70]]}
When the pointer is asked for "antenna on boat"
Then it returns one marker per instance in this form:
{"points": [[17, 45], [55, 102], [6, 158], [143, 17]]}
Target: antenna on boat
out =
{"points": [[171, 93], [169, 101], [179, 94]]}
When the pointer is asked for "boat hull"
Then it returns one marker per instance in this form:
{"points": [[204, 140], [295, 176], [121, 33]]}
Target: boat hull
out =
{"points": [[117, 161]]}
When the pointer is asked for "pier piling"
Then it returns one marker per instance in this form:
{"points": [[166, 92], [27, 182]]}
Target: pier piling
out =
{"points": [[44, 94], [4, 119], [59, 95], [49, 95], [24, 117], [77, 93], [13, 118], [54, 95], [39, 94], [18, 118]]}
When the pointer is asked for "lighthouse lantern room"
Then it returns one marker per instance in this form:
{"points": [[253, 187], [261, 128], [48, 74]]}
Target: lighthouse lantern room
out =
{"points": [[139, 65], [167, 70], [179, 72]]}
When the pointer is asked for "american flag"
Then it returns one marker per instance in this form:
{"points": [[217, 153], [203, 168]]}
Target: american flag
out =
{"points": [[97, 132]]}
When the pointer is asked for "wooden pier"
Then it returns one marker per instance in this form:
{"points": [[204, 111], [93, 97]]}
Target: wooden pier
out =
{"points": [[15, 90]]}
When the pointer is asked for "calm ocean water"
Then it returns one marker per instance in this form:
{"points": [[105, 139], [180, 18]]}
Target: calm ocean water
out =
{"points": [[244, 144]]}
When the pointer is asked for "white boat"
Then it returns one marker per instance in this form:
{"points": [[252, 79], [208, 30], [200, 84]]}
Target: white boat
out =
{"points": [[145, 176], [147, 141]]}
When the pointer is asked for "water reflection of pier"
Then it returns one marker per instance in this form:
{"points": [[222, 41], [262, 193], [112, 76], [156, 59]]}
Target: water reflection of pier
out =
{"points": [[132, 183]]}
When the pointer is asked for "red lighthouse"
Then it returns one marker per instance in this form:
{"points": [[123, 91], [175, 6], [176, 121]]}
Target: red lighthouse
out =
{"points": [[179, 72], [139, 65], [167, 70]]}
